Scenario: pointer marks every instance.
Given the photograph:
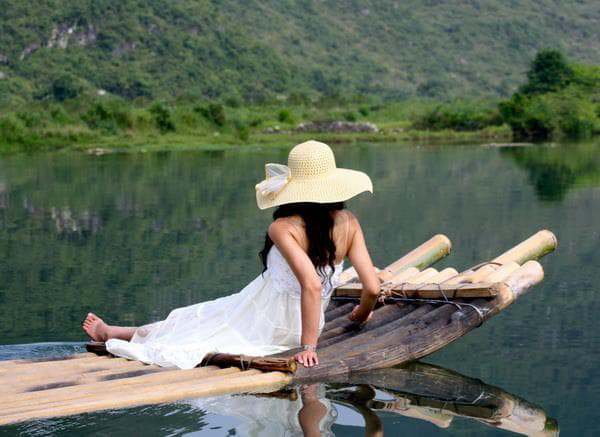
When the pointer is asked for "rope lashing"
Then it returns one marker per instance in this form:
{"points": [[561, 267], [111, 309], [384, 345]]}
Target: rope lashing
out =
{"points": [[485, 263], [459, 305]]}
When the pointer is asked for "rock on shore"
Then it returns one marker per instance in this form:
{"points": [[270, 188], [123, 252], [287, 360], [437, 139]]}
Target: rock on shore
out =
{"points": [[336, 126]]}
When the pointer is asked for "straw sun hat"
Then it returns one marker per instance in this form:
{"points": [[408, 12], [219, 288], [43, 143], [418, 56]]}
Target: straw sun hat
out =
{"points": [[310, 176]]}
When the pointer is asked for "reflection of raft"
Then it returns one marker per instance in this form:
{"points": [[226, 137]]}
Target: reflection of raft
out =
{"points": [[424, 310], [437, 395]]}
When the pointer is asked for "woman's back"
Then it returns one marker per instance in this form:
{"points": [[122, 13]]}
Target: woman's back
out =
{"points": [[344, 226]]}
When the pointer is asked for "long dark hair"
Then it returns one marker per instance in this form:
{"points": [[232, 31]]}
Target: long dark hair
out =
{"points": [[318, 224]]}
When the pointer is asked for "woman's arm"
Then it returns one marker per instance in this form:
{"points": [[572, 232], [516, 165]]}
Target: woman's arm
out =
{"points": [[358, 254], [310, 298]]}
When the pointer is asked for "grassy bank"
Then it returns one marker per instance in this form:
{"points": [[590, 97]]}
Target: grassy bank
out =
{"points": [[559, 100], [109, 122]]}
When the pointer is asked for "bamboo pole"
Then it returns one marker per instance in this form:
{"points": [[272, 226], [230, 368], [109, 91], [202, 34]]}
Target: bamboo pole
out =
{"points": [[533, 248], [339, 310], [50, 381], [423, 277], [381, 316], [11, 363], [245, 381], [434, 249], [92, 389], [404, 275], [501, 273], [444, 275], [422, 256], [33, 372]]}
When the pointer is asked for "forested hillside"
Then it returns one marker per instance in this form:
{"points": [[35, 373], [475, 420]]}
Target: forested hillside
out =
{"points": [[257, 50]]}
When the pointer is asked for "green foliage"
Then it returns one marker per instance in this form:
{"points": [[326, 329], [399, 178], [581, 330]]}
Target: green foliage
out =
{"points": [[110, 117], [162, 117], [350, 116], [559, 100], [548, 72], [12, 130], [364, 111], [65, 87], [459, 116], [214, 112], [285, 116], [234, 53], [242, 130]]}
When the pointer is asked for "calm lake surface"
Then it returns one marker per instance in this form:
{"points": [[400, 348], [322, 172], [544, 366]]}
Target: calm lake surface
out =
{"points": [[131, 236]]}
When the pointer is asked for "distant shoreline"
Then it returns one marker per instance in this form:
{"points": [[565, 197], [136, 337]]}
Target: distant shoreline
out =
{"points": [[175, 141]]}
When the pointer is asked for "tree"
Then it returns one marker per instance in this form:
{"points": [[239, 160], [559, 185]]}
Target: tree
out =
{"points": [[549, 72], [65, 87]]}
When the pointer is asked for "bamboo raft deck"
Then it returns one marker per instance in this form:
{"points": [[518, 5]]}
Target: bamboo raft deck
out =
{"points": [[422, 310]]}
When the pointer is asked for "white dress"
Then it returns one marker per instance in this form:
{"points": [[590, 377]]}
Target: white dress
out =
{"points": [[262, 319]]}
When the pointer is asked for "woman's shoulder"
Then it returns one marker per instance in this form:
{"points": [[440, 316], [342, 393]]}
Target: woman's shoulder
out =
{"points": [[345, 217], [282, 226]]}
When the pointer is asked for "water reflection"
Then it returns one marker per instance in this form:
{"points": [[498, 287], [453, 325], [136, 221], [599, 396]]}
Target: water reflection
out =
{"points": [[405, 399], [438, 396], [134, 236], [553, 171], [418, 391]]}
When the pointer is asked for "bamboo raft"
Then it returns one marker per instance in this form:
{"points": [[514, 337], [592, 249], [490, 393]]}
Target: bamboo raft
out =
{"points": [[421, 310]]}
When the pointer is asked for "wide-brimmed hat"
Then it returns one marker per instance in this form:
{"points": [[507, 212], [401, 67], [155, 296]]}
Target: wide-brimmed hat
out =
{"points": [[310, 176]]}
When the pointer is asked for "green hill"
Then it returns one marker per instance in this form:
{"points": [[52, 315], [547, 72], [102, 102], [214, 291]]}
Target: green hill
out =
{"points": [[253, 50]]}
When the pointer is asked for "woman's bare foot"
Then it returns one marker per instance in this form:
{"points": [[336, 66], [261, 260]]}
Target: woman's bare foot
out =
{"points": [[95, 327]]}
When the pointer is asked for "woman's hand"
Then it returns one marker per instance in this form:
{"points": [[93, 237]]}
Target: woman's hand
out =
{"points": [[360, 315], [308, 358]]}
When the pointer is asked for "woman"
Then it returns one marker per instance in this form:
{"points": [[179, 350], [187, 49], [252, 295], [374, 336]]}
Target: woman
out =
{"points": [[283, 308]]}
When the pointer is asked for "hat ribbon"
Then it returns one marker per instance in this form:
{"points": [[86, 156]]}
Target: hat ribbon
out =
{"points": [[278, 176]]}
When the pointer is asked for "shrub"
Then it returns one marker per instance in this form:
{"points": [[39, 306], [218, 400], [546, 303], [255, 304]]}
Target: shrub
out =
{"points": [[214, 112], [242, 130], [109, 118], [59, 114], [31, 119], [364, 111], [285, 116], [255, 122], [162, 117], [65, 87], [233, 102], [566, 113], [460, 117], [350, 116], [12, 130]]}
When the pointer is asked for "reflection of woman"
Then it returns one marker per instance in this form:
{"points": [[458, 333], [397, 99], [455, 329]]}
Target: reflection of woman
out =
{"points": [[310, 414], [283, 308]]}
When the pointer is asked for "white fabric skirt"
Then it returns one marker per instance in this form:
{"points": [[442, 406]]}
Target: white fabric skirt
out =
{"points": [[262, 319]]}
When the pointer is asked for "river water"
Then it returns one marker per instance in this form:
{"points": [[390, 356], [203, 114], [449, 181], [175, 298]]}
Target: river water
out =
{"points": [[131, 236]]}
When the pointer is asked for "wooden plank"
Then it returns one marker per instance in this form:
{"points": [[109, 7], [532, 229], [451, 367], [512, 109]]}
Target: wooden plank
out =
{"points": [[427, 291]]}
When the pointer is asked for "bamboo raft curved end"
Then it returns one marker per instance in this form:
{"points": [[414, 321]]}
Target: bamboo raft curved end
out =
{"points": [[422, 310]]}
